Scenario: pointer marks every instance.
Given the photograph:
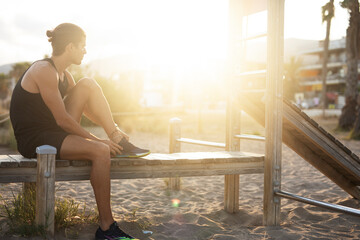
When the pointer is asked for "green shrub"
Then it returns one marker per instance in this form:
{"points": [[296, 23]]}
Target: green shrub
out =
{"points": [[20, 214]]}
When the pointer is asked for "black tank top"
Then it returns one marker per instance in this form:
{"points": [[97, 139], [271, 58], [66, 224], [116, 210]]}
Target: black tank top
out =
{"points": [[28, 111]]}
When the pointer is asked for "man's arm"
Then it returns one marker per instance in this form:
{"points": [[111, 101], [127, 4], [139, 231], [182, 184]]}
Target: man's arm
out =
{"points": [[47, 82], [66, 121]]}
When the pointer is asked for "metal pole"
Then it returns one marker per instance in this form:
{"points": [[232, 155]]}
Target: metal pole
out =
{"points": [[330, 206]]}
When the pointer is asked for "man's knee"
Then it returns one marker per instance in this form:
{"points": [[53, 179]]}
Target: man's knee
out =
{"points": [[101, 153], [89, 84]]}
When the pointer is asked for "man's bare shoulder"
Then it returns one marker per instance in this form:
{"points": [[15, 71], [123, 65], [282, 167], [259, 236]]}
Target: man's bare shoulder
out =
{"points": [[42, 71], [42, 67]]}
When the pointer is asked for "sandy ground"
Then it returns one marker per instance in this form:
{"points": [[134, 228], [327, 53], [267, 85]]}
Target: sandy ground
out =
{"points": [[146, 204]]}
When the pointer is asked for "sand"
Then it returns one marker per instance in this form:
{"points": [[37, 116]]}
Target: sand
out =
{"points": [[146, 204]]}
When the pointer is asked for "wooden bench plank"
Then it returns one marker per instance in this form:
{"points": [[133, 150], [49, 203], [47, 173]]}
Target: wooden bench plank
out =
{"points": [[8, 162], [80, 163], [152, 159], [62, 163], [152, 166], [24, 162], [12, 175], [163, 171]]}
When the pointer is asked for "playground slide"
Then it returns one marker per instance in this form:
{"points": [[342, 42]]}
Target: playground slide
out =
{"points": [[314, 144]]}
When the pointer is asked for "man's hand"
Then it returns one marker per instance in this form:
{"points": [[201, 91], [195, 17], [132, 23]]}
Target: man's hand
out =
{"points": [[114, 147]]}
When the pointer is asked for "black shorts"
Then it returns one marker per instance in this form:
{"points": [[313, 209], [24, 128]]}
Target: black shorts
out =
{"points": [[27, 144]]}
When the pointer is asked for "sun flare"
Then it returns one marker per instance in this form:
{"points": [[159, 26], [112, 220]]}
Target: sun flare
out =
{"points": [[165, 33]]}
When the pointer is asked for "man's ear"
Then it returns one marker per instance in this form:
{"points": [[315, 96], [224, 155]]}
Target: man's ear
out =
{"points": [[69, 47]]}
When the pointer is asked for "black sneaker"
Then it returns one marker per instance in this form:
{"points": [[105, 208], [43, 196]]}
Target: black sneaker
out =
{"points": [[129, 150], [113, 233]]}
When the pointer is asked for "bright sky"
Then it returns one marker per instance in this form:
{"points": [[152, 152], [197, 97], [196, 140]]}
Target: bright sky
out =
{"points": [[154, 30]]}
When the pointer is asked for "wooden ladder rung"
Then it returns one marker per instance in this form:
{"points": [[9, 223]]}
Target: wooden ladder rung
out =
{"points": [[260, 35], [257, 73], [252, 91], [200, 142], [250, 137]]}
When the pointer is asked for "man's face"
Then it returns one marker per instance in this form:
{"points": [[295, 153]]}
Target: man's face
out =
{"points": [[79, 51]]}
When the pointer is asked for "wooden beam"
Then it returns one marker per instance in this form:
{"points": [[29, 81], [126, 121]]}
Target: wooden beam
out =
{"points": [[313, 145], [273, 111], [231, 188], [328, 148], [320, 164]]}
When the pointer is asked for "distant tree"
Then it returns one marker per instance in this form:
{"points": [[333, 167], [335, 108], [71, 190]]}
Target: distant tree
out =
{"points": [[327, 15], [348, 113], [3, 77], [3, 81], [291, 81], [18, 69]]}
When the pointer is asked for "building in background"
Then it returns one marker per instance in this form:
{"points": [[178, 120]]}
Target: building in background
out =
{"points": [[310, 75]]}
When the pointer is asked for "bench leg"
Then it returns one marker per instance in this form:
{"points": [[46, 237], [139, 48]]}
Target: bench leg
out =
{"points": [[174, 146], [231, 195], [45, 190]]}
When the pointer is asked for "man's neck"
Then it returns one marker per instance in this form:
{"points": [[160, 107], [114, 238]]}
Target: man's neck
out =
{"points": [[61, 63]]}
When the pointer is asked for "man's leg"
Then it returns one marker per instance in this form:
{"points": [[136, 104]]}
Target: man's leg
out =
{"points": [[88, 93], [75, 148], [87, 97]]}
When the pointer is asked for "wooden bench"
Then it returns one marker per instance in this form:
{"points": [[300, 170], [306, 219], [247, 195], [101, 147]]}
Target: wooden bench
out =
{"points": [[45, 170]]}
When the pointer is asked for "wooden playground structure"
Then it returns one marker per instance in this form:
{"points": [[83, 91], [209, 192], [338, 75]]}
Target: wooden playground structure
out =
{"points": [[282, 120]]}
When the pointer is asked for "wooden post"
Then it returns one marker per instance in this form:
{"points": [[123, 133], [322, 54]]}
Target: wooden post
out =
{"points": [[45, 188], [231, 188], [174, 146], [273, 111], [232, 182], [231, 193]]}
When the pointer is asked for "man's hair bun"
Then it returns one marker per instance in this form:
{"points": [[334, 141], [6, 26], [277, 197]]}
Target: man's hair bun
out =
{"points": [[50, 35]]}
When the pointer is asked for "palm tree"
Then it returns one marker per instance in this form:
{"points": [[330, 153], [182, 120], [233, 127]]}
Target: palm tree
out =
{"points": [[348, 113], [291, 81], [327, 15]]}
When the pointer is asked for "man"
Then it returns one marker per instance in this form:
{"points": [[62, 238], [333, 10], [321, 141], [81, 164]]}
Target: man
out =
{"points": [[46, 108]]}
